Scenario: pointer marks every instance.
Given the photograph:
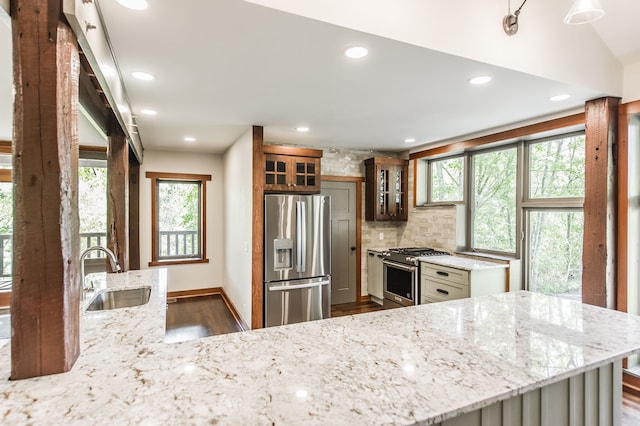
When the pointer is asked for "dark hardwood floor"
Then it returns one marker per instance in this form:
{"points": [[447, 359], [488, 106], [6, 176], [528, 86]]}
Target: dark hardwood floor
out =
{"points": [[201, 316], [354, 308], [195, 317]]}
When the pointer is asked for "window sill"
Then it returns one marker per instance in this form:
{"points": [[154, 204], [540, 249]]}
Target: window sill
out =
{"points": [[502, 257], [177, 262]]}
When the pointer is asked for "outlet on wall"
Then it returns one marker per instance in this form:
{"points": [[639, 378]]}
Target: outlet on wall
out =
{"points": [[381, 236]]}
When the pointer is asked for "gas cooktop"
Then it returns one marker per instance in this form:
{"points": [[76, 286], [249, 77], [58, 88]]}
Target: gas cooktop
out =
{"points": [[410, 255]]}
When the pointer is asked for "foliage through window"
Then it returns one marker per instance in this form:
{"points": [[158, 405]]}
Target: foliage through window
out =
{"points": [[494, 200], [6, 223], [555, 252], [556, 168], [178, 202], [447, 180]]}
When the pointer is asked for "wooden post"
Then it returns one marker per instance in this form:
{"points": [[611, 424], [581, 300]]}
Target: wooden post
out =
{"points": [[134, 213], [45, 304], [118, 195], [599, 244], [257, 252]]}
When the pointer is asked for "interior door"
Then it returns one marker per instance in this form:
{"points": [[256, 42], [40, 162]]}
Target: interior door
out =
{"points": [[343, 240]]}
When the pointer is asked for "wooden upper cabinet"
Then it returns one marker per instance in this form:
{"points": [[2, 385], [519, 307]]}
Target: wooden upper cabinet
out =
{"points": [[291, 169], [387, 189]]}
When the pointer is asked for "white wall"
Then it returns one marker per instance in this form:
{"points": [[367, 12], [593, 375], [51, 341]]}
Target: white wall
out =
{"points": [[631, 82], [544, 46], [190, 276], [238, 212]]}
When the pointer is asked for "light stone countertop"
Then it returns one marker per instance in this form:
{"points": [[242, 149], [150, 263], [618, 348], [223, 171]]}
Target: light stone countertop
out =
{"points": [[419, 364], [462, 263]]}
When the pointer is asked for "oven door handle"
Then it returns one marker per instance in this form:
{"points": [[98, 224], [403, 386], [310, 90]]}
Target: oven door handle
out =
{"points": [[409, 268]]}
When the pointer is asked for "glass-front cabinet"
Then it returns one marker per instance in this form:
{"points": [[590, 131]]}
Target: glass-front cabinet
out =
{"points": [[386, 189], [288, 169]]}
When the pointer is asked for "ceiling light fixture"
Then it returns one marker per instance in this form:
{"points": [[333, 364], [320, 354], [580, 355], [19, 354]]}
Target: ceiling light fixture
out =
{"points": [[148, 112], [134, 4], [583, 12], [302, 129], [189, 139], [142, 75], [558, 98], [409, 140], [481, 79], [510, 21], [356, 52]]}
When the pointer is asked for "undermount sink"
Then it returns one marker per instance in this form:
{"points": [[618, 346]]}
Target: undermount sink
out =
{"points": [[114, 299]]}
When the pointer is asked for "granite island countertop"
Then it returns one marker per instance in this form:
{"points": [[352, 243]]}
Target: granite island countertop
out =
{"points": [[419, 364]]}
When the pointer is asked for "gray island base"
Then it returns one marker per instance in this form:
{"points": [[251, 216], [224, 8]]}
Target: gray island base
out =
{"points": [[509, 359]]}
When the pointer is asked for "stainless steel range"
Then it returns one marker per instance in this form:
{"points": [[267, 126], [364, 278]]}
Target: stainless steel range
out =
{"points": [[401, 275]]}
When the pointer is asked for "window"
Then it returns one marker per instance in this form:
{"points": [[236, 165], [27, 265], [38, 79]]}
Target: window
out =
{"points": [[447, 180], [556, 168], [554, 217], [493, 212], [6, 225], [178, 218], [523, 199], [92, 205]]}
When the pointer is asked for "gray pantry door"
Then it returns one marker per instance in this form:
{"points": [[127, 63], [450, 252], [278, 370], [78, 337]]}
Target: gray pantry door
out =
{"points": [[343, 240]]}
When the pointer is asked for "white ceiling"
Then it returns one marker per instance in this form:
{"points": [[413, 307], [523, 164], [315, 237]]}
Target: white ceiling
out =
{"points": [[224, 65]]}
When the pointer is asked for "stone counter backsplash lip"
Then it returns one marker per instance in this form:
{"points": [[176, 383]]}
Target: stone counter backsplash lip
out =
{"points": [[419, 364], [462, 263]]}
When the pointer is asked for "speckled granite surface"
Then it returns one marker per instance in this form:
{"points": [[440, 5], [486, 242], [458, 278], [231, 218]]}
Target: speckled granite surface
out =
{"points": [[403, 366], [462, 263]]}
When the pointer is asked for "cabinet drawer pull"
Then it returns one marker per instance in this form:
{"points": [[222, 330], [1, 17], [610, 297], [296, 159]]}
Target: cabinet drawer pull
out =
{"points": [[439, 290], [444, 274]]}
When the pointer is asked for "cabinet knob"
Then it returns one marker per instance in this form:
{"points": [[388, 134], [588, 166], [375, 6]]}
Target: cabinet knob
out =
{"points": [[353, 249]]}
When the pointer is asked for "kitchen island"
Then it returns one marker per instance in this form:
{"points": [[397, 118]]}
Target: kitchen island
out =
{"points": [[541, 356]]}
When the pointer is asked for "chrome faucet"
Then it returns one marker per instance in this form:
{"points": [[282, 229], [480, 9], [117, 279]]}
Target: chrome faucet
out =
{"points": [[113, 261]]}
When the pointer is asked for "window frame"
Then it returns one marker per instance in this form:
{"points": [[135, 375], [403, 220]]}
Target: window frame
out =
{"points": [[523, 198], [429, 177], [469, 190], [178, 177]]}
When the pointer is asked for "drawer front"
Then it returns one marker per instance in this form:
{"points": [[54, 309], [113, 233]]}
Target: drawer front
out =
{"points": [[444, 273], [439, 290]]}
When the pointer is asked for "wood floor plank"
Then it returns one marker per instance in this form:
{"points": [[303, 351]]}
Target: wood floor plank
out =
{"points": [[354, 308], [195, 317]]}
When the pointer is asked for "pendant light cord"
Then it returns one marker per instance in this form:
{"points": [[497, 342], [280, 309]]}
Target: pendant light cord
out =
{"points": [[517, 12]]}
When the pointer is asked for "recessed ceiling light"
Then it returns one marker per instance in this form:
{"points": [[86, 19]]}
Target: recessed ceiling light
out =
{"points": [[302, 129], [189, 139], [148, 112], [409, 140], [142, 75], [558, 98], [356, 52], [134, 4], [481, 79]]}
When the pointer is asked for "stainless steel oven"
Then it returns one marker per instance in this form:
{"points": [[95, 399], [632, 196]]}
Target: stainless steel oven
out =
{"points": [[401, 275], [400, 284]]}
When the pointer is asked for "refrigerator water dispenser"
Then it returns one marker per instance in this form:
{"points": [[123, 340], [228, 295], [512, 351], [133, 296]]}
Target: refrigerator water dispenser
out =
{"points": [[283, 254]]}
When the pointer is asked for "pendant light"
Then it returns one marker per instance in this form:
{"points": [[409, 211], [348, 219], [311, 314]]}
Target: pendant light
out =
{"points": [[584, 11]]}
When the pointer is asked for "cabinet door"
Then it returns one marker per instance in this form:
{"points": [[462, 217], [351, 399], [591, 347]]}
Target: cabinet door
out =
{"points": [[374, 275], [276, 172], [386, 189], [305, 174]]}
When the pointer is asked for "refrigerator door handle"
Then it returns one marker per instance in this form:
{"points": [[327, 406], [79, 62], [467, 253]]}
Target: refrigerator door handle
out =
{"points": [[298, 286], [301, 236]]}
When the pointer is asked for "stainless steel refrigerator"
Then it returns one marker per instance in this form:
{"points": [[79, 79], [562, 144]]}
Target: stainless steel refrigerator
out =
{"points": [[297, 263]]}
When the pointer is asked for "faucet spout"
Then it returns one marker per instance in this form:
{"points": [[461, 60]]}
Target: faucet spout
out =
{"points": [[113, 261]]}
